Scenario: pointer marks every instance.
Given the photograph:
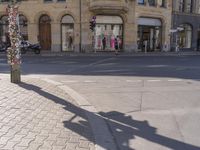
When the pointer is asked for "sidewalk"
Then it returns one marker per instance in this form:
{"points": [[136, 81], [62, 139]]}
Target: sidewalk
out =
{"points": [[36, 115]]}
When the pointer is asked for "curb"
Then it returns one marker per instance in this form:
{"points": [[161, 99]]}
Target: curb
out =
{"points": [[103, 138], [123, 54]]}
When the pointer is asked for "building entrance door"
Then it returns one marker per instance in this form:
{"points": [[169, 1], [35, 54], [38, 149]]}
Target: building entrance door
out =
{"points": [[149, 38], [149, 34], [45, 32]]}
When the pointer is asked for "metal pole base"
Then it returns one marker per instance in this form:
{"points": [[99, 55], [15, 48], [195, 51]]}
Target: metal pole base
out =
{"points": [[15, 74]]}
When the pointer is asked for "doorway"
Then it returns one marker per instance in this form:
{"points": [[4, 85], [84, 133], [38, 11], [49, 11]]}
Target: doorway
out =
{"points": [[45, 32], [149, 38]]}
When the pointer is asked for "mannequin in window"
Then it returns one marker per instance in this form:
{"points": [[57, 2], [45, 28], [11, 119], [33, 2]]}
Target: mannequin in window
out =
{"points": [[112, 42]]}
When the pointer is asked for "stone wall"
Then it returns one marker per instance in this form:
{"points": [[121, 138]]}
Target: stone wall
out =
{"points": [[128, 10]]}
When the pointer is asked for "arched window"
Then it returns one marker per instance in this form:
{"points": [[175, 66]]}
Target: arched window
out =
{"points": [[4, 36], [44, 19], [67, 33], [185, 36], [23, 23]]}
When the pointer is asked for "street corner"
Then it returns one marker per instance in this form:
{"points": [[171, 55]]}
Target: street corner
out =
{"points": [[37, 115]]}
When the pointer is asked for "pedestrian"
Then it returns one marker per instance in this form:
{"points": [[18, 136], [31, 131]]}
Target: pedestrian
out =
{"points": [[104, 42]]}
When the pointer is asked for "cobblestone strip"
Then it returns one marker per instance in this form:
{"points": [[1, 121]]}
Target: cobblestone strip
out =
{"points": [[36, 115]]}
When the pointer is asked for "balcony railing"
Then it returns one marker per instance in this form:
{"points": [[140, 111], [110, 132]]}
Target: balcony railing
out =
{"points": [[108, 5]]}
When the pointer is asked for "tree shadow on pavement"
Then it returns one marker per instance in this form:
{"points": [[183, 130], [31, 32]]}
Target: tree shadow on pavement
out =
{"points": [[123, 128]]}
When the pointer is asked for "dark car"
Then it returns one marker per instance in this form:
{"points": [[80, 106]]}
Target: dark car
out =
{"points": [[3, 47], [24, 45], [27, 46]]}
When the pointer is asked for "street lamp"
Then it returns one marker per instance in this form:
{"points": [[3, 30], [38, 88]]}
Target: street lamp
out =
{"points": [[13, 52]]}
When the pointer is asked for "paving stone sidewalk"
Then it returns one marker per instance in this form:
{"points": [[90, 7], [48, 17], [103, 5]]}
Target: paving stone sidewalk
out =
{"points": [[36, 115]]}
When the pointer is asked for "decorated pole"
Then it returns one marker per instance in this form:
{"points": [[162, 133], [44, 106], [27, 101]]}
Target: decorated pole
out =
{"points": [[13, 52]]}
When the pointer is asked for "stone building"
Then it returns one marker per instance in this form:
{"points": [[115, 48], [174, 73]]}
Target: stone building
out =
{"points": [[186, 24], [63, 25]]}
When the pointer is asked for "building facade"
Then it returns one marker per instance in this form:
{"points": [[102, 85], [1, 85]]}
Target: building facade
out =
{"points": [[186, 18], [64, 25]]}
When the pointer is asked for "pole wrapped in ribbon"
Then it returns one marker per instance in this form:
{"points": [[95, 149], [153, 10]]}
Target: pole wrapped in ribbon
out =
{"points": [[13, 52]]}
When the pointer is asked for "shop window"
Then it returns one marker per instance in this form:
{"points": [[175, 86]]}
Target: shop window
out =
{"points": [[149, 38], [108, 33], [67, 33], [149, 34], [23, 27], [4, 35], [185, 36]]}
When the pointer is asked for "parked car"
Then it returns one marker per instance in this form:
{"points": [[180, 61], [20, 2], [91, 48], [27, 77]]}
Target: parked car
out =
{"points": [[27, 46], [24, 45], [3, 46]]}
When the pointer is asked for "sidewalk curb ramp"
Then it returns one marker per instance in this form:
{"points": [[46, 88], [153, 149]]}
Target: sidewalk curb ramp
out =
{"points": [[103, 138]]}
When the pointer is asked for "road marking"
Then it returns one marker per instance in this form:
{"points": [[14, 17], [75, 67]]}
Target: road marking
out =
{"points": [[70, 81], [133, 81], [153, 80], [175, 80], [88, 81]]}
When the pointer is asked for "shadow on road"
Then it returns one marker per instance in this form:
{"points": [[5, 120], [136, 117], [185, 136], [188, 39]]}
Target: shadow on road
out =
{"points": [[122, 126], [186, 67]]}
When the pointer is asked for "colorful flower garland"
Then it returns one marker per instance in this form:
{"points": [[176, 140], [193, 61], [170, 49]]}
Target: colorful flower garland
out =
{"points": [[13, 52]]}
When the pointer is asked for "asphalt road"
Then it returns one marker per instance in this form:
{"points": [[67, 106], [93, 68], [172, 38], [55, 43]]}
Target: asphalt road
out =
{"points": [[149, 103]]}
